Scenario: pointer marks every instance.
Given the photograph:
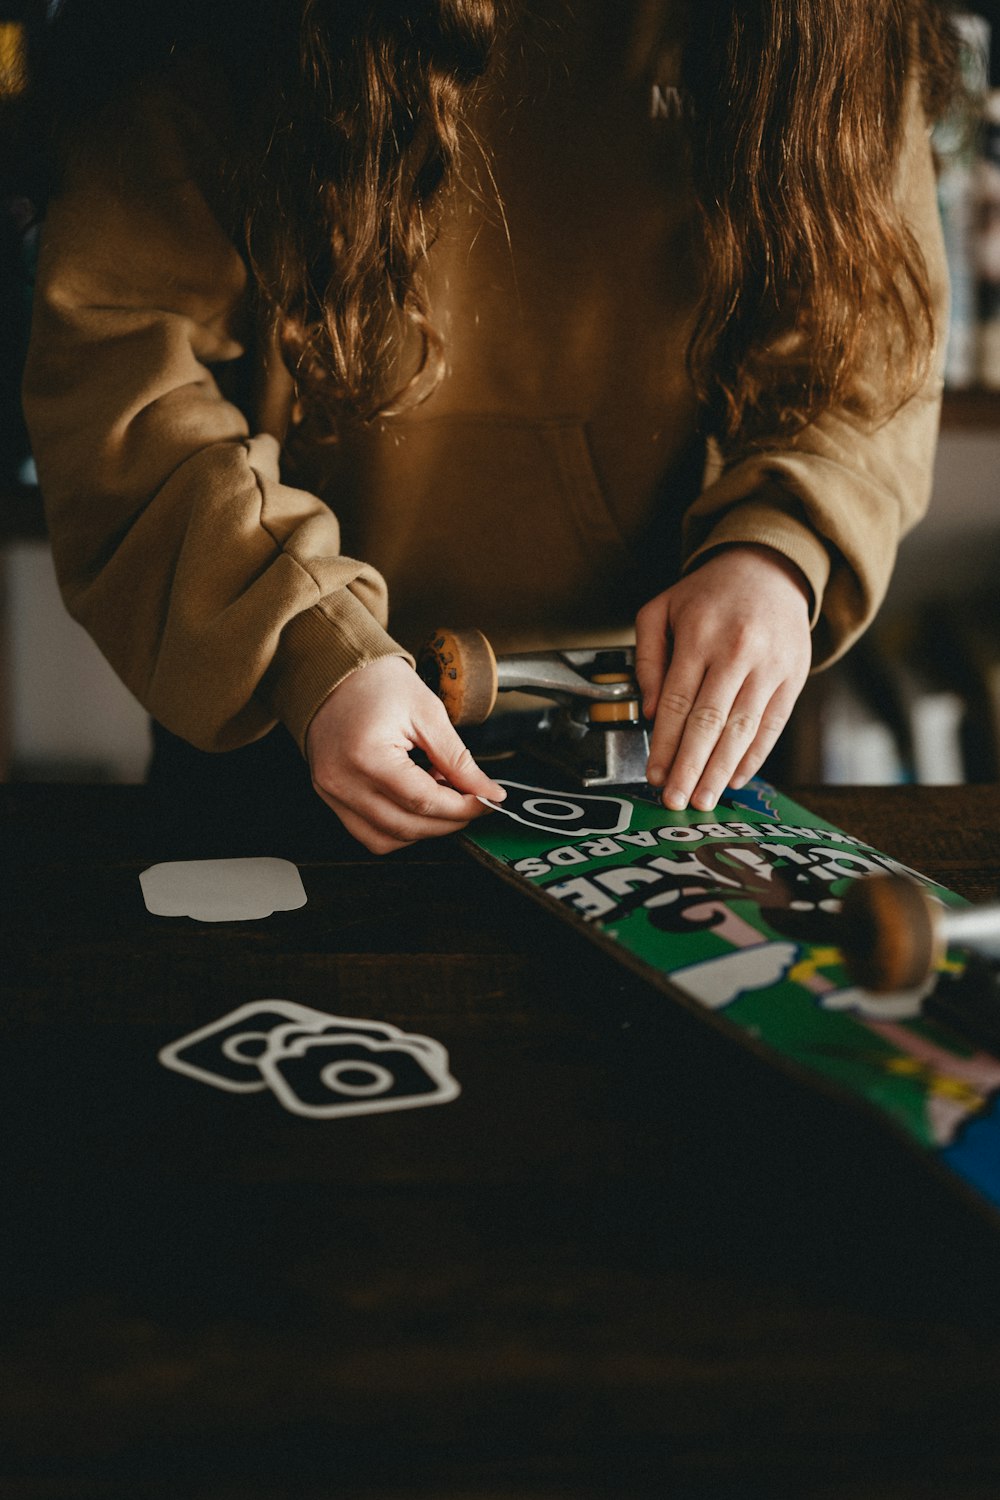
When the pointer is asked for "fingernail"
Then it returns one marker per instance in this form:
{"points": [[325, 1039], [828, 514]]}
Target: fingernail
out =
{"points": [[676, 801], [737, 782], [499, 794], [655, 775], [705, 799]]}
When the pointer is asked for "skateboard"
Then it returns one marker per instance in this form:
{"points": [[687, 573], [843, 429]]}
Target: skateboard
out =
{"points": [[757, 916]]}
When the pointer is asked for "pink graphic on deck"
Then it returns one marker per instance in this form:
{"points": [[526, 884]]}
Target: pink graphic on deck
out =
{"points": [[957, 1086]]}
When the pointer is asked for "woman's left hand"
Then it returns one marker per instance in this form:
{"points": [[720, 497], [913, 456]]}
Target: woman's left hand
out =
{"points": [[720, 659]]}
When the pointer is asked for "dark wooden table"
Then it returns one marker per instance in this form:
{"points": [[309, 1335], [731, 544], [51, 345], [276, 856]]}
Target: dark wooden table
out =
{"points": [[628, 1261]]}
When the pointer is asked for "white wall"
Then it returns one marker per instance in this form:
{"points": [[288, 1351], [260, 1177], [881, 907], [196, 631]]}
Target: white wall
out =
{"points": [[69, 714], [956, 548]]}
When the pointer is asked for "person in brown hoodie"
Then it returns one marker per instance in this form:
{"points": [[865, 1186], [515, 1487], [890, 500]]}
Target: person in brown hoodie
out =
{"points": [[658, 350]]}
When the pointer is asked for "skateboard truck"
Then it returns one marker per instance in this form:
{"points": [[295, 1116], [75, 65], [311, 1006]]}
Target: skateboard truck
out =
{"points": [[596, 738]]}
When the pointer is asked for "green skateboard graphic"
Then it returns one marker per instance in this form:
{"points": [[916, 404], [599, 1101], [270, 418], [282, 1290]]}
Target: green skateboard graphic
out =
{"points": [[735, 913]]}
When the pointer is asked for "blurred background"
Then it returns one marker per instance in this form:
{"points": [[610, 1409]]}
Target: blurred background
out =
{"points": [[917, 700]]}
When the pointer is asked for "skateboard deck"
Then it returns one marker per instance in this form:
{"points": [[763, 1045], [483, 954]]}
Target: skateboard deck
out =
{"points": [[734, 914]]}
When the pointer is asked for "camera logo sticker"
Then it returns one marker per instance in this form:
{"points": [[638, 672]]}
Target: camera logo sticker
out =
{"points": [[336, 1073], [225, 1053], [573, 814], [222, 890], [316, 1065]]}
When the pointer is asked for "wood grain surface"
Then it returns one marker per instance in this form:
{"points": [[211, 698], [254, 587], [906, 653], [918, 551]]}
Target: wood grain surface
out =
{"points": [[628, 1261]]}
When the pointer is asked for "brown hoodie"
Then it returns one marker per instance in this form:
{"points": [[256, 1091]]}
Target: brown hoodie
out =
{"points": [[234, 574]]}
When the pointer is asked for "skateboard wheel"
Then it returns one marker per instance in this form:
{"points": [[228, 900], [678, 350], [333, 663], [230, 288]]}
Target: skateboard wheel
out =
{"points": [[889, 938], [460, 667]]}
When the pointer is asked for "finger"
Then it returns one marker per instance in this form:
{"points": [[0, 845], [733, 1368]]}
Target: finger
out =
{"points": [[383, 827], [396, 796], [413, 794], [448, 753], [373, 838], [773, 721], [739, 732], [652, 654], [702, 730], [677, 699]]}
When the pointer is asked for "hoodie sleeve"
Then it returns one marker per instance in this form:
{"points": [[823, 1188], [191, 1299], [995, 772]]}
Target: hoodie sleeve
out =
{"points": [[219, 594]]}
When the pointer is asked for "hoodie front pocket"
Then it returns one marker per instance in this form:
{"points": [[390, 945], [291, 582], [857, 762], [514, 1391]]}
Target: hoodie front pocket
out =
{"points": [[489, 521]]}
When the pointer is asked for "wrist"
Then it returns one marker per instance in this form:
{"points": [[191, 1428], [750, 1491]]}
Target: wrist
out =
{"points": [[759, 556]]}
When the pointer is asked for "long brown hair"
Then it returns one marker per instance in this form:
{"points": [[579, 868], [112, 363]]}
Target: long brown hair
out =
{"points": [[811, 276], [345, 119], [339, 123], [367, 103]]}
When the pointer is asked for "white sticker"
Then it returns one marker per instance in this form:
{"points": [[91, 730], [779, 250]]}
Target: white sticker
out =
{"points": [[226, 1053], [334, 1072], [317, 1065], [222, 890], [573, 814]]}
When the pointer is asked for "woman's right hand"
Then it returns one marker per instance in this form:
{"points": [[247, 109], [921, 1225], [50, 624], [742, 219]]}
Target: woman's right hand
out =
{"points": [[358, 746]]}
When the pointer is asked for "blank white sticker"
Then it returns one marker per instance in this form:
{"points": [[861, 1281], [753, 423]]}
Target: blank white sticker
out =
{"points": [[222, 890]]}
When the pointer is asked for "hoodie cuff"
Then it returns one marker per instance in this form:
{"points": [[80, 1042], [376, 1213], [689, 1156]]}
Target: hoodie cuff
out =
{"points": [[772, 517], [317, 650]]}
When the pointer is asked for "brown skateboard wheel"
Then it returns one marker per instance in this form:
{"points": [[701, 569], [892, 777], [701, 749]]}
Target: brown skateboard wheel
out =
{"points": [[460, 667], [889, 938]]}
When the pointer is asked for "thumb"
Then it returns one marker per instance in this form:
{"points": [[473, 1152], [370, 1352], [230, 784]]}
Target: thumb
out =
{"points": [[652, 652], [449, 755]]}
